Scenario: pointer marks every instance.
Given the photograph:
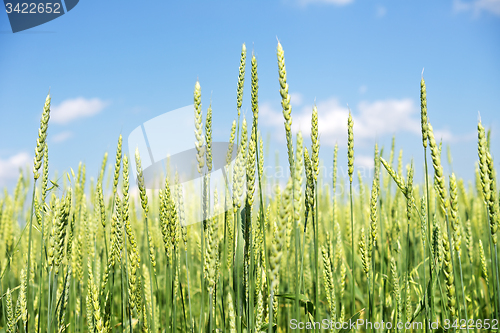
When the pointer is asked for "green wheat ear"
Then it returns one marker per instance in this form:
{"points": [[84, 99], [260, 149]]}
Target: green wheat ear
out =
{"points": [[363, 250], [482, 150], [449, 278], [396, 288], [208, 137], [350, 146], [438, 170], [374, 197], [42, 136], [409, 192], [309, 200], [231, 315], [395, 176], [200, 149], [457, 233], [45, 172], [117, 240], [117, 163], [261, 157], [482, 257], [11, 320], [140, 182], [241, 78], [230, 146], [240, 167], [493, 203], [285, 104], [276, 253], [22, 312], [423, 111], [315, 142], [299, 170], [180, 210], [255, 92], [373, 210], [329, 282], [250, 165], [103, 167]]}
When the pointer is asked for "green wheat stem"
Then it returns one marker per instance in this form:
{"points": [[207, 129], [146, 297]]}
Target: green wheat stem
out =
{"points": [[463, 292], [301, 281], [309, 203], [237, 230], [426, 319], [41, 272], [189, 293], [28, 270], [48, 306], [128, 284], [261, 213], [407, 259], [210, 306], [174, 299], [168, 287], [495, 292], [429, 233], [353, 298], [497, 274], [316, 244], [382, 256], [372, 300], [122, 298]]}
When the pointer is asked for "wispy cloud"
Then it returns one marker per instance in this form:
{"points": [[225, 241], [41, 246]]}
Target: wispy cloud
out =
{"points": [[9, 168], [386, 116], [76, 108], [296, 99], [364, 162], [61, 137], [381, 11], [327, 2], [447, 136], [372, 120], [477, 6]]}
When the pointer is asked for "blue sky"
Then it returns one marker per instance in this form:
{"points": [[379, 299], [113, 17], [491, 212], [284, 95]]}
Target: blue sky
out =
{"points": [[112, 66]]}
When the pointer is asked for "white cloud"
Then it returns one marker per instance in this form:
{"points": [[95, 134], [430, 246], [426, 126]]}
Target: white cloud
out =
{"points": [[386, 116], [269, 116], [296, 99], [372, 120], [477, 6], [381, 11], [328, 2], [72, 109], [447, 136], [444, 135], [61, 137], [9, 168], [364, 162]]}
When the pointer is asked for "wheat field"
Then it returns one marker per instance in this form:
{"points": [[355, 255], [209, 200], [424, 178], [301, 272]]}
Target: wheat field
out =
{"points": [[86, 255]]}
